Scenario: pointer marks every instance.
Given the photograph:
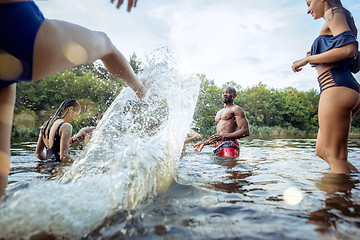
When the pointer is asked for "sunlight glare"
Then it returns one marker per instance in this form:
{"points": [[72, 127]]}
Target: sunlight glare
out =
{"points": [[292, 196]]}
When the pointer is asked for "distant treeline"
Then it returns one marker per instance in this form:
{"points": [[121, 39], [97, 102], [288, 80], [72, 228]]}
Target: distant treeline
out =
{"points": [[271, 112]]}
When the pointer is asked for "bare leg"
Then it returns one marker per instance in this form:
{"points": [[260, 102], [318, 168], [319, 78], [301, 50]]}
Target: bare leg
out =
{"points": [[320, 151], [61, 45], [7, 102], [335, 113]]}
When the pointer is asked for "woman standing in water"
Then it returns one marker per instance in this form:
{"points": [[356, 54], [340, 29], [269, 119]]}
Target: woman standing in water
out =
{"points": [[333, 53], [56, 132], [32, 48]]}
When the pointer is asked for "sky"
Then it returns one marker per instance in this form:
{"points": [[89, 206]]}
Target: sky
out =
{"points": [[227, 40]]}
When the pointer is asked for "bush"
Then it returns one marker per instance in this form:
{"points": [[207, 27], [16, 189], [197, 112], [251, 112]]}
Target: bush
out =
{"points": [[25, 122]]}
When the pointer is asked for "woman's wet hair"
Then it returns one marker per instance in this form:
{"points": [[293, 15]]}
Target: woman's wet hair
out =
{"points": [[61, 112]]}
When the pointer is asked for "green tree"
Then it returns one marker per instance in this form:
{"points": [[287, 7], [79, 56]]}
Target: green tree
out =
{"points": [[136, 64], [209, 102]]}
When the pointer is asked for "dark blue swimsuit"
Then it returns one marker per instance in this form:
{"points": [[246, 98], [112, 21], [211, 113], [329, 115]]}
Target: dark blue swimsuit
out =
{"points": [[341, 74], [19, 24], [53, 153]]}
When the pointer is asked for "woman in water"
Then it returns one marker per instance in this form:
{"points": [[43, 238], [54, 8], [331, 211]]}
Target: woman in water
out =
{"points": [[32, 48], [333, 53], [56, 132]]}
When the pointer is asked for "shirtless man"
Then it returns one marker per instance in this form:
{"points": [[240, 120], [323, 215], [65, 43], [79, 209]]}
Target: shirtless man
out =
{"points": [[231, 125]]}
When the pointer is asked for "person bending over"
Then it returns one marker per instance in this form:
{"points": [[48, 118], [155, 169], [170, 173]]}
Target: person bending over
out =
{"points": [[33, 47]]}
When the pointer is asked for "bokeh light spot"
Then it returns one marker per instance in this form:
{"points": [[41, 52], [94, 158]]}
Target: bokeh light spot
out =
{"points": [[293, 196], [75, 53], [10, 67]]}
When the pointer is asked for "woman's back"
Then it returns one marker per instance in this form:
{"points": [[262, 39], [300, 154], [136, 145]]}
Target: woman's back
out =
{"points": [[52, 143]]}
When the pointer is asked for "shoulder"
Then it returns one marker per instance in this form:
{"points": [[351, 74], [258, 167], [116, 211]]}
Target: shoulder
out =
{"points": [[335, 19], [66, 127], [238, 110]]}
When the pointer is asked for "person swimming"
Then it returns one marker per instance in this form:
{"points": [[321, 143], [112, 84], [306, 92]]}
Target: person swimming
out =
{"points": [[56, 133]]}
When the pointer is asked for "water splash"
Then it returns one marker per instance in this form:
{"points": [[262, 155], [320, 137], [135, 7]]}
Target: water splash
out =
{"points": [[130, 158]]}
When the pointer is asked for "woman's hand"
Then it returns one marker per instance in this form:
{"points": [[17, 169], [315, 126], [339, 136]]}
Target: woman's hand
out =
{"points": [[131, 4], [297, 65]]}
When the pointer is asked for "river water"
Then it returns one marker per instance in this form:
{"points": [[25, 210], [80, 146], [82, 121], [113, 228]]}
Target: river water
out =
{"points": [[220, 198], [122, 185]]}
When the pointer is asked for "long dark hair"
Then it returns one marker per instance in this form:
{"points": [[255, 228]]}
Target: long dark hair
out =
{"points": [[337, 5], [59, 113]]}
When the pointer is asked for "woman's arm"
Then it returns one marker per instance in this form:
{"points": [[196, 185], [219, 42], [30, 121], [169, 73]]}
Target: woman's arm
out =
{"points": [[39, 151], [65, 136], [336, 22], [329, 57], [81, 134]]}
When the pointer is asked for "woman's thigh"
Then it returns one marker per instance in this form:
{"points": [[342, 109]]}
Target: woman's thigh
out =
{"points": [[335, 113], [7, 102], [62, 45]]}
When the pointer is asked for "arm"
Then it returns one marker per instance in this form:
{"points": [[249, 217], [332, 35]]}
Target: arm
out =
{"points": [[242, 131], [65, 136], [192, 136], [337, 24], [81, 134], [39, 151], [131, 4], [331, 56], [86, 140]]}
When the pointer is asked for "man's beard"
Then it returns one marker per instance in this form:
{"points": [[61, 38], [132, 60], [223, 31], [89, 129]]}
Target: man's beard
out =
{"points": [[226, 101]]}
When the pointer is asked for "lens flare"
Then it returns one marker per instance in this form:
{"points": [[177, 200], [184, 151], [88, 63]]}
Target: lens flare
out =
{"points": [[10, 67], [75, 53], [292, 196]]}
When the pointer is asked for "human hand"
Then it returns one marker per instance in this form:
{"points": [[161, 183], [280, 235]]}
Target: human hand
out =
{"points": [[297, 65], [131, 4], [142, 90], [216, 138], [81, 134], [199, 146]]}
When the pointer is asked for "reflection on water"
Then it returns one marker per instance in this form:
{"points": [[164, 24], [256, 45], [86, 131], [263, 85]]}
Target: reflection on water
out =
{"points": [[234, 175], [341, 205], [222, 198]]}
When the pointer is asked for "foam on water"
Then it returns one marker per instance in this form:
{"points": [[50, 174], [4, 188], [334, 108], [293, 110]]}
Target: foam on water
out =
{"points": [[131, 158]]}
